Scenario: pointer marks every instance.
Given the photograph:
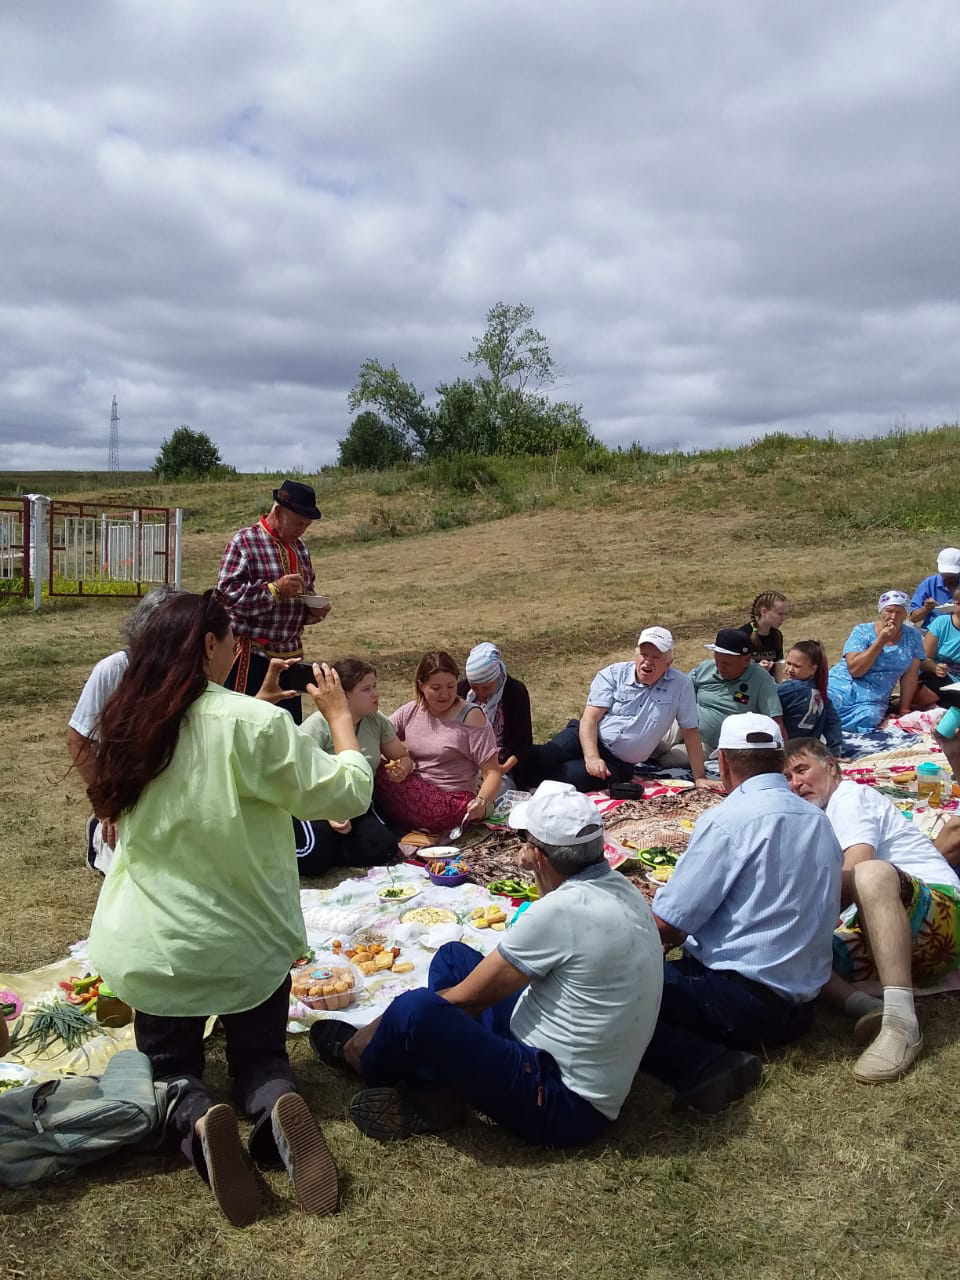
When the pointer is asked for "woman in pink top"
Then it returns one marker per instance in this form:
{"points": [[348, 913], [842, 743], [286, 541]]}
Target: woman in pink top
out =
{"points": [[451, 774]]}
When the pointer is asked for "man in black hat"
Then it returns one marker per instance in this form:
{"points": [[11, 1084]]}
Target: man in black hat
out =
{"points": [[732, 683], [264, 576]]}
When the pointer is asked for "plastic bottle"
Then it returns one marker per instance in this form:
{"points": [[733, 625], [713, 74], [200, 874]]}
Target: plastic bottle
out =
{"points": [[929, 784]]}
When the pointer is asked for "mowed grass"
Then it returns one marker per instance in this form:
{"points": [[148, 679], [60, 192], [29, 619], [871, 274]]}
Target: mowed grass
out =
{"points": [[813, 1176]]}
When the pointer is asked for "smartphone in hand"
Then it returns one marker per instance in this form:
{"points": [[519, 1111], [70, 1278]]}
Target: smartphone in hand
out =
{"points": [[297, 676]]}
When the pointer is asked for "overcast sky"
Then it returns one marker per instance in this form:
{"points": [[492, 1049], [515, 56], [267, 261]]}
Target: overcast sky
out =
{"points": [[729, 218]]}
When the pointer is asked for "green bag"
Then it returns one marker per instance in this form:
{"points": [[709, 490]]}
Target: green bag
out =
{"points": [[49, 1130]]}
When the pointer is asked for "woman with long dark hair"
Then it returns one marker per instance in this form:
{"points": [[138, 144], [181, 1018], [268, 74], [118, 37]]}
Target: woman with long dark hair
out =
{"points": [[200, 911]]}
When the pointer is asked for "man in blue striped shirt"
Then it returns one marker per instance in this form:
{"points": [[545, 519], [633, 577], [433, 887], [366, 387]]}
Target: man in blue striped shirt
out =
{"points": [[753, 903]]}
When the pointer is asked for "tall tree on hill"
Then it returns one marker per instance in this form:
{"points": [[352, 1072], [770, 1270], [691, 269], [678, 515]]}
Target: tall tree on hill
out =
{"points": [[398, 403], [187, 453], [516, 358]]}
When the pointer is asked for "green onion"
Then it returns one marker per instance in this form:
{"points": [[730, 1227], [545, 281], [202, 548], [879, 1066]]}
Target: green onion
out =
{"points": [[56, 1020]]}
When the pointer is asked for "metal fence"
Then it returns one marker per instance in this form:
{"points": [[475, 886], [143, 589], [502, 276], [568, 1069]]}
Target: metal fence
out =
{"points": [[86, 549], [14, 546]]}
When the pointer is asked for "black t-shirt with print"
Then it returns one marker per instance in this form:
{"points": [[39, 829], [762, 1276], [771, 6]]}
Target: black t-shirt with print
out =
{"points": [[767, 648]]}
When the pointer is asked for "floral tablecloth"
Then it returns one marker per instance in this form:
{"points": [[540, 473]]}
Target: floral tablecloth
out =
{"points": [[329, 914]]}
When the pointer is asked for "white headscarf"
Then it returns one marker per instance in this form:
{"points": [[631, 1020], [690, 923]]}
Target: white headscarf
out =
{"points": [[483, 665], [898, 598]]}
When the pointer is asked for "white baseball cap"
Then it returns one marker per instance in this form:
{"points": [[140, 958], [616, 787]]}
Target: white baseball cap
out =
{"points": [[658, 636], [948, 561], [557, 813], [750, 732]]}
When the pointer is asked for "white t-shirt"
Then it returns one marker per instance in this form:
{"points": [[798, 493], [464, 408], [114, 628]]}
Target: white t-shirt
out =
{"points": [[101, 683], [592, 953], [860, 815]]}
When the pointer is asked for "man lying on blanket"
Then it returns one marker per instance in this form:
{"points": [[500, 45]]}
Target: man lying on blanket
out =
{"points": [[631, 706], [906, 928], [545, 1034]]}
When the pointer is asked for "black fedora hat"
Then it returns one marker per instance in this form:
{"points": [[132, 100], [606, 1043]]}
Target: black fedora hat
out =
{"points": [[298, 498]]}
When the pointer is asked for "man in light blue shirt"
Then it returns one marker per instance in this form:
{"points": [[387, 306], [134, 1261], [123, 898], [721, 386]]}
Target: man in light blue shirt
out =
{"points": [[630, 707], [753, 902], [938, 588]]}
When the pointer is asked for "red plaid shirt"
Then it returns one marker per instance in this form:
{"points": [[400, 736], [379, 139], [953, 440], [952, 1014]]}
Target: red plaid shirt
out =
{"points": [[254, 559]]}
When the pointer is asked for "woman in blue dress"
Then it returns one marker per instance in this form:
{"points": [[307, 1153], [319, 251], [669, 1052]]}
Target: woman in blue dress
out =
{"points": [[876, 656]]}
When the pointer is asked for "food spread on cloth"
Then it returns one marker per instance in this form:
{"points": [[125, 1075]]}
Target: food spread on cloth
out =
{"points": [[389, 941]]}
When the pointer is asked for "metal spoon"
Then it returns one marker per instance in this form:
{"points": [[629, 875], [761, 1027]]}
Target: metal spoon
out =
{"points": [[508, 764]]}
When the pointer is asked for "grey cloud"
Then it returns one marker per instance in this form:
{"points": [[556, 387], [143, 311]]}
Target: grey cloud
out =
{"points": [[729, 219]]}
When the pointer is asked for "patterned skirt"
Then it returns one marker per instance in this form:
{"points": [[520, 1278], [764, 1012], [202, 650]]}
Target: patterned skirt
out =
{"points": [[417, 805], [934, 915]]}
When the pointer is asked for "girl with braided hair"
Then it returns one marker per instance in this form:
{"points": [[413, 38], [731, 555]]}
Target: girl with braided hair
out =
{"points": [[767, 614]]}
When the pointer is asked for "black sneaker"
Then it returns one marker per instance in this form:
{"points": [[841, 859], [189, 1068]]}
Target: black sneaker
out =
{"points": [[726, 1081], [327, 1038], [390, 1115]]}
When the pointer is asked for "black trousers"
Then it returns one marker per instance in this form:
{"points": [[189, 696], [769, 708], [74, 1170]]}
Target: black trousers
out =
{"points": [[256, 674], [562, 760], [256, 1059], [368, 843]]}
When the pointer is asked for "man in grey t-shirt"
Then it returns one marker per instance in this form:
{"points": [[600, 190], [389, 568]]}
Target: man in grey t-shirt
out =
{"points": [[545, 1033]]}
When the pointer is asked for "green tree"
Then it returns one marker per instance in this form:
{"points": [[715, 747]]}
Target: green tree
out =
{"points": [[513, 353], [536, 425], [461, 422], [372, 444], [398, 403], [187, 453]]}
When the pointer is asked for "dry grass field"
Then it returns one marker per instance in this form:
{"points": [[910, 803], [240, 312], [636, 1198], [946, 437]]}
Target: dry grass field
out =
{"points": [[811, 1177]]}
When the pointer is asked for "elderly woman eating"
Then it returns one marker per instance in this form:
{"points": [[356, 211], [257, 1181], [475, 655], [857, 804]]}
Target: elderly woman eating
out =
{"points": [[503, 699], [876, 656], [451, 775]]}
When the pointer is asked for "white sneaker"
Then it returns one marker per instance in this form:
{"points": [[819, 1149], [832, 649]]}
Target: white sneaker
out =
{"points": [[888, 1057]]}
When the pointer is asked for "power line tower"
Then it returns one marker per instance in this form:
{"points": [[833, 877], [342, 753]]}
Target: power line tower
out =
{"points": [[113, 461]]}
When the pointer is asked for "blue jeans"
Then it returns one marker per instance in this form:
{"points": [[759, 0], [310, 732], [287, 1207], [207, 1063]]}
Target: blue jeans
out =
{"points": [[704, 1012], [561, 759], [424, 1039]]}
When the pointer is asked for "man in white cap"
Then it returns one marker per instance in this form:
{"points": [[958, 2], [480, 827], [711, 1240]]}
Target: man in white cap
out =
{"points": [[544, 1034], [631, 706], [938, 588], [753, 902]]}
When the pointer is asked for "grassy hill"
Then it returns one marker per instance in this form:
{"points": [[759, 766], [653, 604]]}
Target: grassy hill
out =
{"points": [[560, 560]]}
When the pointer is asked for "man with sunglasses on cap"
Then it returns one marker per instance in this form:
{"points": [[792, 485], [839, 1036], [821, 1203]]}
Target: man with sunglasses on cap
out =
{"points": [[731, 684], [544, 1034], [752, 902], [264, 573], [630, 710]]}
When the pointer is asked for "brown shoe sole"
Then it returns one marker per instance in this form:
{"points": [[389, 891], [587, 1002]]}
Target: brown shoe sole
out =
{"points": [[231, 1178], [312, 1168]]}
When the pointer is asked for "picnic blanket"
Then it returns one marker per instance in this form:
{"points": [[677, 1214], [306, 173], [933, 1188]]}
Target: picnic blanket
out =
{"points": [[325, 911]]}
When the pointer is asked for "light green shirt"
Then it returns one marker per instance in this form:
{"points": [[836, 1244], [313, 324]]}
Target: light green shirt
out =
{"points": [[372, 732], [200, 912]]}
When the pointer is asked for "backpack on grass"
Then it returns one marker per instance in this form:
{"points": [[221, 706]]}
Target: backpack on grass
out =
{"points": [[51, 1129]]}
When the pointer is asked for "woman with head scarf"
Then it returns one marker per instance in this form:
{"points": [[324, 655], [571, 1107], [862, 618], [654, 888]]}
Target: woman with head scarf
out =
{"points": [[503, 699], [876, 656]]}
